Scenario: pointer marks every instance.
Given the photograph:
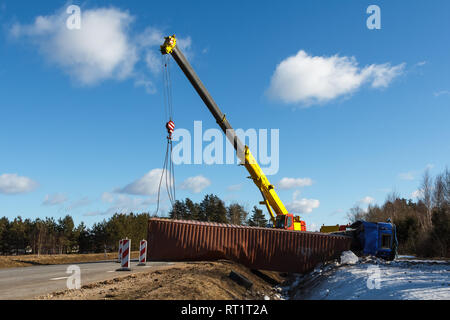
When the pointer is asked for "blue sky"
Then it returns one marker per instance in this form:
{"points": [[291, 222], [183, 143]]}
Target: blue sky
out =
{"points": [[82, 117]]}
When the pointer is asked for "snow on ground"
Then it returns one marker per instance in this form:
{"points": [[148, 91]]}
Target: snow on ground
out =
{"points": [[375, 279], [349, 257]]}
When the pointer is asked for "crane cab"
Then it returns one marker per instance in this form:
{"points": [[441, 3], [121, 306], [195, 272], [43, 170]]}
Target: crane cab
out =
{"points": [[290, 222]]}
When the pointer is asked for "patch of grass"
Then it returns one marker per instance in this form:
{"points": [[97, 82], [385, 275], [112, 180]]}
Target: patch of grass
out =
{"points": [[32, 260]]}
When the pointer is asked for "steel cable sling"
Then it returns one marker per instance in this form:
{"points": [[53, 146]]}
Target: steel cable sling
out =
{"points": [[168, 171]]}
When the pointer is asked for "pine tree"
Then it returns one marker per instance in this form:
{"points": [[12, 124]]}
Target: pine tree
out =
{"points": [[212, 209], [258, 218], [179, 211], [193, 210], [4, 222]]}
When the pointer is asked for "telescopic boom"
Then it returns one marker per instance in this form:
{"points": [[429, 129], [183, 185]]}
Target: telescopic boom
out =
{"points": [[273, 203]]}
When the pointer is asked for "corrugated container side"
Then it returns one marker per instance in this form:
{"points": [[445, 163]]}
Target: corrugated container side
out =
{"points": [[256, 248]]}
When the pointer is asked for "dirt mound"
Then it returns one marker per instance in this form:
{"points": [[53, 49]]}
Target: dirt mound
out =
{"points": [[187, 281]]}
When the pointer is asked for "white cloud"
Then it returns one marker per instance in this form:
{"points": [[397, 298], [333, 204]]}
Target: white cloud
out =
{"points": [[147, 185], [302, 205], [15, 184], [195, 184], [296, 194], [101, 49], [185, 45], [54, 199], [122, 204], [421, 63], [406, 176], [337, 211], [83, 202], [307, 79], [411, 175], [153, 61], [441, 93], [235, 187], [107, 197], [147, 84], [123, 201], [150, 37], [94, 213], [105, 48], [381, 75], [417, 194], [119, 202], [290, 183], [366, 200]]}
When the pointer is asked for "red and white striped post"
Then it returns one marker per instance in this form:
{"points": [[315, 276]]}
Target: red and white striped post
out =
{"points": [[119, 259], [126, 248], [142, 253]]}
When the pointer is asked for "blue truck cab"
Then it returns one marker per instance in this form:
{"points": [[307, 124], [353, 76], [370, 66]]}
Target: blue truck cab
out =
{"points": [[375, 238]]}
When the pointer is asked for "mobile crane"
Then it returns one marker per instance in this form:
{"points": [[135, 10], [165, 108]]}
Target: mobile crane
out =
{"points": [[279, 215]]}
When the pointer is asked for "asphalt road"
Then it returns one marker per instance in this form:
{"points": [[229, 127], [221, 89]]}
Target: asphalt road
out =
{"points": [[30, 282]]}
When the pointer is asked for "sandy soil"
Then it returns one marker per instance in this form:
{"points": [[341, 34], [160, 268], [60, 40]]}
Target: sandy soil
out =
{"points": [[185, 281], [32, 260]]}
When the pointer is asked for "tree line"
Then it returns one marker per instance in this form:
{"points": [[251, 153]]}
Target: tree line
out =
{"points": [[423, 226], [50, 236], [213, 209]]}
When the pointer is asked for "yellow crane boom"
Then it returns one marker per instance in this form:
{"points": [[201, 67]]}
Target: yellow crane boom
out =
{"points": [[278, 212]]}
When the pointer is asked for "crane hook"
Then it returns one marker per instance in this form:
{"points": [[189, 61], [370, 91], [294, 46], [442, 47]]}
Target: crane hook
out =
{"points": [[170, 126]]}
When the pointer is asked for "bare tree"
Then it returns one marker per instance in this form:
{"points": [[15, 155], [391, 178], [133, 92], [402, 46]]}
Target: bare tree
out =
{"points": [[392, 196], [439, 191], [236, 214], [356, 213], [390, 206], [446, 175], [426, 197]]}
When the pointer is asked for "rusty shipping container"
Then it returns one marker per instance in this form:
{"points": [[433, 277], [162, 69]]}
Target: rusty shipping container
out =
{"points": [[256, 248]]}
